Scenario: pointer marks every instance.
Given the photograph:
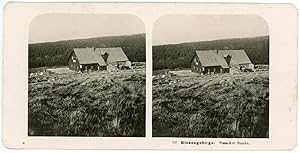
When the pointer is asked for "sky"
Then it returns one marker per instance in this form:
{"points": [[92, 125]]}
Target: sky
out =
{"points": [[172, 29], [56, 27]]}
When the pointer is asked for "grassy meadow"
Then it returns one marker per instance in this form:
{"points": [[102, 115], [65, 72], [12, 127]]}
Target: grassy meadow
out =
{"points": [[216, 106], [104, 103]]}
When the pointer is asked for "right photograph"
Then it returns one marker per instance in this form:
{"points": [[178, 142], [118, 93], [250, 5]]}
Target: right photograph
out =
{"points": [[210, 76]]}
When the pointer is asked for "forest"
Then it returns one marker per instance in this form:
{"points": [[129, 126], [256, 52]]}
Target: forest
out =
{"points": [[51, 54], [179, 55], [169, 56]]}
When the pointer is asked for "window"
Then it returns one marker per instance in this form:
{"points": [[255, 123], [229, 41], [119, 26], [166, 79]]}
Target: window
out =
{"points": [[73, 59]]}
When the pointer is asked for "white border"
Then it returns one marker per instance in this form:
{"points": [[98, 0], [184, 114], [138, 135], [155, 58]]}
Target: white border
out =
{"points": [[282, 20]]}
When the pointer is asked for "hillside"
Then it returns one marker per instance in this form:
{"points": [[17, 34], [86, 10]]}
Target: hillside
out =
{"points": [[179, 55], [89, 104], [56, 53], [216, 106]]}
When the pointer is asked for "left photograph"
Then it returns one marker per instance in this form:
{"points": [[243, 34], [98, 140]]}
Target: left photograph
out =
{"points": [[86, 75]]}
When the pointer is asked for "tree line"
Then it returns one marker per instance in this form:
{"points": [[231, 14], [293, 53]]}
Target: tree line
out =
{"points": [[56, 53], [179, 55]]}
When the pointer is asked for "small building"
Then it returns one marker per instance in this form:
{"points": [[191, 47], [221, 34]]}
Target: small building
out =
{"points": [[220, 61], [114, 56], [85, 59], [236, 58], [208, 62]]}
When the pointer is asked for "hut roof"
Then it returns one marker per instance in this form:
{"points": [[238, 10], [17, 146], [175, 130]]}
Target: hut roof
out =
{"points": [[209, 58], [88, 56], [237, 56], [114, 54]]}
